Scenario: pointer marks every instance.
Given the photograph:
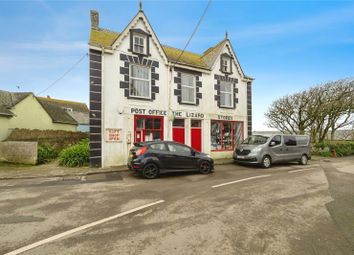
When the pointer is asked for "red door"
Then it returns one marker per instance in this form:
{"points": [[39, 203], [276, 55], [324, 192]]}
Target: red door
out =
{"points": [[196, 135], [178, 130]]}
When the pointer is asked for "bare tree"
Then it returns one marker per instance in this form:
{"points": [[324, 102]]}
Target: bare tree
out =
{"points": [[317, 111]]}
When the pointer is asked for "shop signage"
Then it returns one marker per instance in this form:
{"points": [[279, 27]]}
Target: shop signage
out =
{"points": [[225, 117], [147, 111], [194, 115], [113, 135]]}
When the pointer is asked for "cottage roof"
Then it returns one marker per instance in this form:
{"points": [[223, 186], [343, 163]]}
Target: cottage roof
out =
{"points": [[63, 111], [9, 100]]}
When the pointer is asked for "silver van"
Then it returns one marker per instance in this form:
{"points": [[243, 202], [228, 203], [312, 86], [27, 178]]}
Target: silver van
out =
{"points": [[265, 150]]}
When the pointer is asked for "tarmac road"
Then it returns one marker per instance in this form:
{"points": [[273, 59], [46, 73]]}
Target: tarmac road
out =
{"points": [[288, 209]]}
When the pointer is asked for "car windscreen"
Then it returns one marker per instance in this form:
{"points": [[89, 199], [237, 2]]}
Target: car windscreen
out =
{"points": [[256, 139]]}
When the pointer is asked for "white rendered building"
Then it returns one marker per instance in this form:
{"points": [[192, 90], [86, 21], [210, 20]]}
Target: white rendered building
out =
{"points": [[141, 90]]}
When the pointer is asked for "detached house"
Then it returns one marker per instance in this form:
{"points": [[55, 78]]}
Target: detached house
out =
{"points": [[25, 110], [141, 90]]}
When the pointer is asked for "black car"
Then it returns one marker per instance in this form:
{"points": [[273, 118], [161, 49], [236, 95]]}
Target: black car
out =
{"points": [[152, 158]]}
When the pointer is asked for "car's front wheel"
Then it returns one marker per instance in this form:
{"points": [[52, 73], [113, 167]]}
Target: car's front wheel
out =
{"points": [[150, 171], [266, 162], [205, 167]]}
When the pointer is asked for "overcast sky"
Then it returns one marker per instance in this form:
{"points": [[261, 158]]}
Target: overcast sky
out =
{"points": [[286, 46]]}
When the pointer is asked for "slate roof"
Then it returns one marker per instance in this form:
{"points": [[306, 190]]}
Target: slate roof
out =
{"points": [[56, 109], [9, 100], [106, 38]]}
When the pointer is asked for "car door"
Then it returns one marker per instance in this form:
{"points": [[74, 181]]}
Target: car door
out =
{"points": [[290, 147], [161, 153], [277, 149], [182, 159]]}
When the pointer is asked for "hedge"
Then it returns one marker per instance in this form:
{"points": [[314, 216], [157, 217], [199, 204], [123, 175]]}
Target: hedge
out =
{"points": [[46, 154], [342, 148]]}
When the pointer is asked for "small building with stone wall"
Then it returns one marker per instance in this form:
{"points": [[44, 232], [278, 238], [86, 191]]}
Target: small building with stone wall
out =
{"points": [[141, 90]]}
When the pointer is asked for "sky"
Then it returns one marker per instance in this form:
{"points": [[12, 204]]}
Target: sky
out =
{"points": [[287, 46]]}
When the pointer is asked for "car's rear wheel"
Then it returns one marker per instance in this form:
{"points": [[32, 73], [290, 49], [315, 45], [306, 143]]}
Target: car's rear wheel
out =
{"points": [[266, 162], [150, 171], [303, 160], [205, 167]]}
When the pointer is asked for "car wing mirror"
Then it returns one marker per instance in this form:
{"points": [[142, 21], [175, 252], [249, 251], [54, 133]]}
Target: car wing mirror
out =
{"points": [[193, 153], [272, 143]]}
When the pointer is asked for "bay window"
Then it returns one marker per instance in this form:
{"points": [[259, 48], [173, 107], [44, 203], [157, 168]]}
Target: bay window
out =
{"points": [[225, 135], [139, 82], [226, 94], [188, 88]]}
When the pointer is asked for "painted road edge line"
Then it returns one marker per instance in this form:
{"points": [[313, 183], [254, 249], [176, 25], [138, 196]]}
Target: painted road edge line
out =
{"points": [[74, 230], [241, 180], [300, 170]]}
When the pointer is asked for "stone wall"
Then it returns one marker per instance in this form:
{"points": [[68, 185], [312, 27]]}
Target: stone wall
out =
{"points": [[19, 152]]}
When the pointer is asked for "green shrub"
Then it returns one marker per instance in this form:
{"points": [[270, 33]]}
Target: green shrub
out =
{"points": [[342, 148], [46, 154], [76, 155]]}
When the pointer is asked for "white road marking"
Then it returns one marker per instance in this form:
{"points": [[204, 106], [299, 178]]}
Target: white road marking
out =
{"points": [[300, 170], [74, 230], [241, 180]]}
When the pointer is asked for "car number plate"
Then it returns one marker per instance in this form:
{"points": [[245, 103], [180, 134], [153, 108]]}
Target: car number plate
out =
{"points": [[241, 157]]}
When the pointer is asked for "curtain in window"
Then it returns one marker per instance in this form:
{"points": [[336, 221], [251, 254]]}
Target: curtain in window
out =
{"points": [[140, 85]]}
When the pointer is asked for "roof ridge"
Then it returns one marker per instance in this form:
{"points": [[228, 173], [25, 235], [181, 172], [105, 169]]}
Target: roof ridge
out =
{"points": [[164, 45], [61, 100]]}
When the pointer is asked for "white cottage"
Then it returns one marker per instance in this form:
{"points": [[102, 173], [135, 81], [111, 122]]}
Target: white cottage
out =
{"points": [[141, 90]]}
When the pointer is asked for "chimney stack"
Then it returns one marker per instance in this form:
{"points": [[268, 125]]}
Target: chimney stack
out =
{"points": [[94, 19]]}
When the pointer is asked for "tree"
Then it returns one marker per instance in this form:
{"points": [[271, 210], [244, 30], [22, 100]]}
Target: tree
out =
{"points": [[316, 111]]}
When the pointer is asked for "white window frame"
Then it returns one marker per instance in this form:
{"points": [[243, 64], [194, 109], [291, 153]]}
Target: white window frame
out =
{"points": [[138, 44], [226, 92], [141, 79], [225, 67], [187, 86]]}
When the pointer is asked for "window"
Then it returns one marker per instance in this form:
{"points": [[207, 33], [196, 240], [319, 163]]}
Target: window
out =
{"points": [[225, 65], [302, 140], [180, 149], [139, 44], [290, 140], [225, 135], [277, 140], [226, 94], [139, 82], [178, 123], [188, 88], [148, 128], [158, 147]]}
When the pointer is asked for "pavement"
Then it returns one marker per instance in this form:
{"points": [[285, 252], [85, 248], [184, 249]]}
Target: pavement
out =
{"points": [[287, 209], [14, 171]]}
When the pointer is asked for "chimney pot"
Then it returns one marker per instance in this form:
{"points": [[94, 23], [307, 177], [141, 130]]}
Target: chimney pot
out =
{"points": [[95, 22]]}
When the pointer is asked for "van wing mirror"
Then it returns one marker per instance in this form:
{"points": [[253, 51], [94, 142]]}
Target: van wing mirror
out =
{"points": [[272, 143]]}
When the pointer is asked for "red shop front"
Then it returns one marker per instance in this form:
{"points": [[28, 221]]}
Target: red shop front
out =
{"points": [[148, 128]]}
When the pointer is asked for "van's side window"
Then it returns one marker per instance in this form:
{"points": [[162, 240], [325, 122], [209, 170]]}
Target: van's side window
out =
{"points": [[290, 140], [276, 139]]}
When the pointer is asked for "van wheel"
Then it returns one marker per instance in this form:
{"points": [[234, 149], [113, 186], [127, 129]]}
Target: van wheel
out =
{"points": [[303, 160], [150, 171], [266, 162], [205, 167]]}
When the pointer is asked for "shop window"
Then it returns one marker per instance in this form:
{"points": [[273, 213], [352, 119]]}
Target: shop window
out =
{"points": [[148, 128], [225, 135], [188, 88], [226, 94], [139, 82]]}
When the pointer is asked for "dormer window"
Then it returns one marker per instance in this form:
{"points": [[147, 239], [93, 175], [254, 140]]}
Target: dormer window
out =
{"points": [[225, 63], [139, 44]]}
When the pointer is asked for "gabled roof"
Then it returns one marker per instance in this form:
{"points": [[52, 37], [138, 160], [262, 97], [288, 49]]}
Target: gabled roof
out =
{"points": [[9, 100], [106, 38], [56, 109]]}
